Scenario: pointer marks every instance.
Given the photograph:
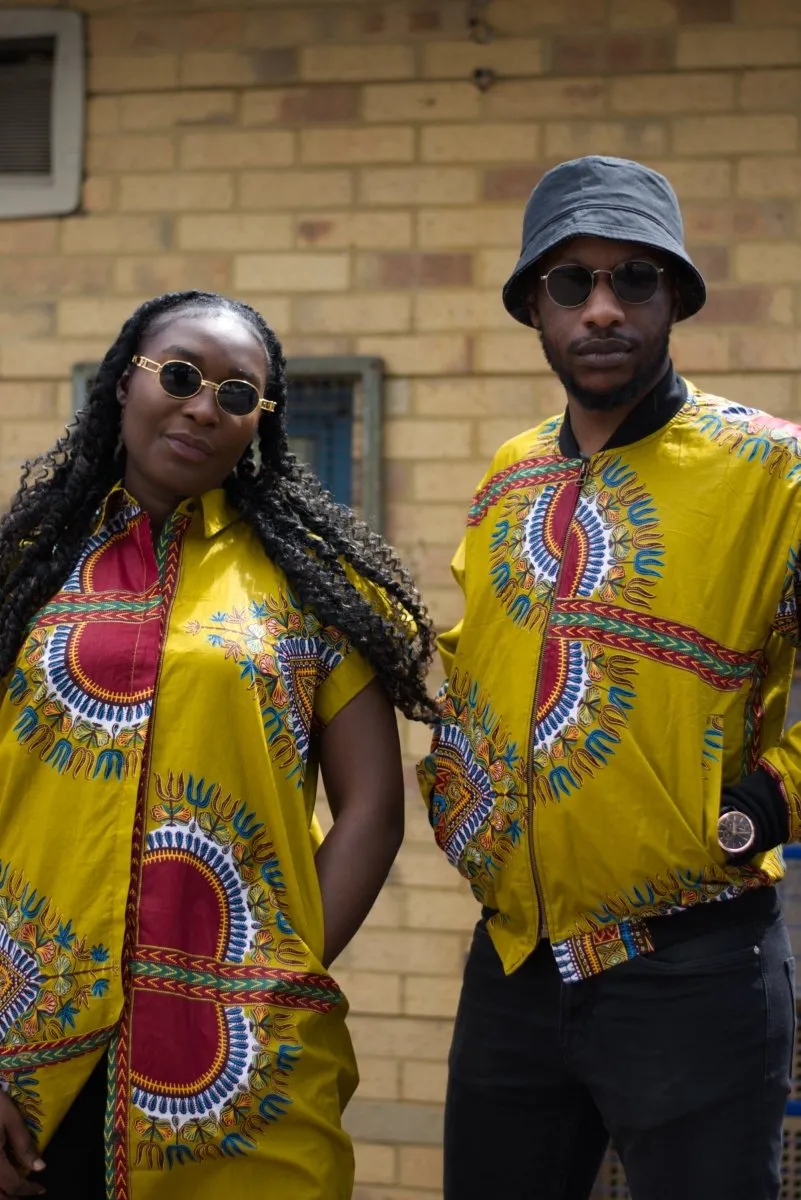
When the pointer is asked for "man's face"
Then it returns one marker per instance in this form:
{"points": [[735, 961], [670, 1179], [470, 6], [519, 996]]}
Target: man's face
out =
{"points": [[607, 353]]}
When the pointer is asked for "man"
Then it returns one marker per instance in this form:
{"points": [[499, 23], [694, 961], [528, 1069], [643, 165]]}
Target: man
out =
{"points": [[609, 771]]}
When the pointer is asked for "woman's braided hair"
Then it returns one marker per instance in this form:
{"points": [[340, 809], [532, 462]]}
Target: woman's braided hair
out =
{"points": [[302, 529]]}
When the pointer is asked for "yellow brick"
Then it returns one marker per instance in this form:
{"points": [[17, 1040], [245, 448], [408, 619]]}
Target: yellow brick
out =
{"points": [[355, 313], [641, 14], [223, 68], [418, 354], [92, 317], [492, 434], [421, 102], [480, 143], [528, 99], [364, 230], [282, 27], [527, 398], [511, 17], [118, 31], [760, 177], [735, 134], [404, 950], [425, 996], [427, 864], [464, 309], [34, 358], [203, 191], [700, 349], [216, 149], [28, 320], [418, 185], [292, 272], [135, 153], [371, 991], [102, 115], [772, 393], [98, 194], [234, 232], [458, 60], [774, 90], [643, 95], [452, 481], [112, 234], [401, 1037], [697, 179], [29, 438], [308, 347], [430, 908], [375, 1163], [341, 64], [465, 228], [420, 1166], [293, 189], [702, 49], [374, 144], [379, 1078], [166, 110], [144, 275], [34, 399], [509, 353], [426, 439], [768, 262], [767, 349], [36, 236], [423, 1081], [777, 12], [387, 912], [639, 139], [132, 72]]}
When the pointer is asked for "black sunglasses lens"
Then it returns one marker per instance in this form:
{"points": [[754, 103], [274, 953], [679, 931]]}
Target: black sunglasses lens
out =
{"points": [[635, 282], [569, 286], [180, 379], [237, 398]]}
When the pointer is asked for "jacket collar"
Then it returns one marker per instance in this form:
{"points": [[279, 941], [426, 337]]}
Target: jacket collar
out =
{"points": [[216, 512], [651, 414]]}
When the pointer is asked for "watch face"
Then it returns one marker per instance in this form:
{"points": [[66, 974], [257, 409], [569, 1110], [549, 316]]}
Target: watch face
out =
{"points": [[735, 832]]}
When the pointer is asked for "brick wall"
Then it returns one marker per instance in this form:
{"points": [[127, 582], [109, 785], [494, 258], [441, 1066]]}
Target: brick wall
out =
{"points": [[334, 164]]}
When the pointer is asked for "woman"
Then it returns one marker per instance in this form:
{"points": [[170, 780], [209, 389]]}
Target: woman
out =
{"points": [[188, 626]]}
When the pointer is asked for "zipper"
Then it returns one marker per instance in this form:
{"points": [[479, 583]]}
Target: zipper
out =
{"points": [[541, 929]]}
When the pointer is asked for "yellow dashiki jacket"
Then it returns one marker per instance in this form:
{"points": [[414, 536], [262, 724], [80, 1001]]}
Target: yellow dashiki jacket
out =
{"points": [[158, 894], [626, 651]]}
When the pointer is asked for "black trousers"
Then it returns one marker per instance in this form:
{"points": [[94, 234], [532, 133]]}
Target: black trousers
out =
{"points": [[683, 1056], [75, 1155]]}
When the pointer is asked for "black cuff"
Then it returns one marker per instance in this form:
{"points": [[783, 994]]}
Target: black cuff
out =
{"points": [[761, 799]]}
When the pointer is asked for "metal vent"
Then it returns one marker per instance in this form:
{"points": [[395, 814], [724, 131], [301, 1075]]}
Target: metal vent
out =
{"points": [[26, 104]]}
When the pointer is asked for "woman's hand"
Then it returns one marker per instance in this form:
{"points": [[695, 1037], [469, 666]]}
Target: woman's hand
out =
{"points": [[17, 1150], [360, 762]]}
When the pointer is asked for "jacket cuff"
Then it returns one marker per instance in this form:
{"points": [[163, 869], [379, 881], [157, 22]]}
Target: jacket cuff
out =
{"points": [[761, 797]]}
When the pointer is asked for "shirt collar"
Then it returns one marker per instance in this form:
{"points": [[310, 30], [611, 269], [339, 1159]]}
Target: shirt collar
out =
{"points": [[651, 414], [216, 511]]}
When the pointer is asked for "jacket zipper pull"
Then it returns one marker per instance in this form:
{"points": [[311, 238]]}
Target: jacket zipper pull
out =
{"points": [[585, 470]]}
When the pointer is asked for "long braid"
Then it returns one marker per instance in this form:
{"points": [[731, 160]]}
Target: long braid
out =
{"points": [[302, 529]]}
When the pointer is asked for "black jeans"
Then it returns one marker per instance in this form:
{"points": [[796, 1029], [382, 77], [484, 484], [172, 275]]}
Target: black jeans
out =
{"points": [[683, 1056], [75, 1156]]}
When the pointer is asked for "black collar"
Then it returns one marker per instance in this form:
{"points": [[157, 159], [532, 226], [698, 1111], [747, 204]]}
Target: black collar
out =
{"points": [[653, 411]]}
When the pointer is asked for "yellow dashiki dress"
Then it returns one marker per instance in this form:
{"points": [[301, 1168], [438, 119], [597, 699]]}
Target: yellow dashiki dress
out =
{"points": [[158, 893]]}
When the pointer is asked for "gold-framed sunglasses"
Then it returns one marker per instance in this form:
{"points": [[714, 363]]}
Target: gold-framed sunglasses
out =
{"points": [[183, 380]]}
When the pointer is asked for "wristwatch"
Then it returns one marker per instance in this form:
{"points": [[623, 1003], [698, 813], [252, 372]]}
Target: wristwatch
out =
{"points": [[736, 831]]}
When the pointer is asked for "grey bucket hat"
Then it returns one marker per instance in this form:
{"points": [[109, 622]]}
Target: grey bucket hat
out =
{"points": [[609, 198]]}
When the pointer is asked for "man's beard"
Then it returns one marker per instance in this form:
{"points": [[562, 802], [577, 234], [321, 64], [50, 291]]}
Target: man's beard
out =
{"points": [[638, 386]]}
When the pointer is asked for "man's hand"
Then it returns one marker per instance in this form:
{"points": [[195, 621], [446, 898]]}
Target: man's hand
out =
{"points": [[17, 1153]]}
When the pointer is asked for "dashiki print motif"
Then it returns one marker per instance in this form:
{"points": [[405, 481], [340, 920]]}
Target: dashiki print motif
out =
{"points": [[591, 623], [160, 722]]}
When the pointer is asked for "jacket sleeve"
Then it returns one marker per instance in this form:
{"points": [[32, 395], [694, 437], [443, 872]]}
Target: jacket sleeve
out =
{"points": [[778, 774], [448, 642]]}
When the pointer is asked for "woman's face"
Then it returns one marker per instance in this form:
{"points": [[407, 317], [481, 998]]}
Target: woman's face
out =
{"points": [[179, 448]]}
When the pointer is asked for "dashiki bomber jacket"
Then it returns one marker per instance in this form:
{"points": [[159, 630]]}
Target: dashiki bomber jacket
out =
{"points": [[626, 652]]}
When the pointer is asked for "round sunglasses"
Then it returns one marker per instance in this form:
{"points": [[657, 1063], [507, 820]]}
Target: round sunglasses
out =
{"points": [[571, 285], [183, 380]]}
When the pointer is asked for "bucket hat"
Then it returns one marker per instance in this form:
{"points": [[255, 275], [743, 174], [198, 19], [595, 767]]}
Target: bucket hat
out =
{"points": [[612, 198]]}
